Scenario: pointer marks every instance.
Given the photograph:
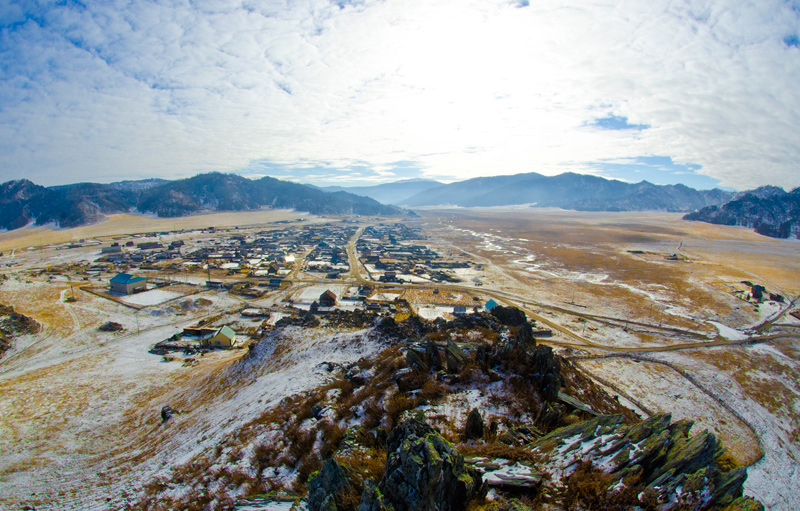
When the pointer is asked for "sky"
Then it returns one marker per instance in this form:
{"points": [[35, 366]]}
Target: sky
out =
{"points": [[705, 93]]}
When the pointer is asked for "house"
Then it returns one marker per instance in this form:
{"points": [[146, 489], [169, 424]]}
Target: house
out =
{"points": [[327, 299], [149, 245], [113, 249], [225, 337], [491, 304], [459, 310], [126, 284]]}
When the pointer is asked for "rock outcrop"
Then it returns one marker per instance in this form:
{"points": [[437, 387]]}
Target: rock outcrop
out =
{"points": [[424, 472], [328, 487], [657, 455]]}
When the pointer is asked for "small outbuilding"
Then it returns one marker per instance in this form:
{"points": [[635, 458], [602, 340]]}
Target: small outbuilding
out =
{"points": [[225, 337], [124, 283]]}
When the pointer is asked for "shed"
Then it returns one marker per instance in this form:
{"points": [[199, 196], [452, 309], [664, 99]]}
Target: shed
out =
{"points": [[126, 284], [225, 337]]}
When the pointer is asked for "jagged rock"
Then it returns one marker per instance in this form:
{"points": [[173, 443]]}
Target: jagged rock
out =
{"points": [[424, 472], [432, 356], [166, 413], [473, 428], [520, 435], [415, 360], [521, 330], [662, 457], [546, 372], [454, 357], [507, 475], [327, 487], [372, 499], [745, 504], [509, 316]]}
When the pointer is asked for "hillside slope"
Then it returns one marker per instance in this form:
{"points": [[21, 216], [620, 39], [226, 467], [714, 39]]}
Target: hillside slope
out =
{"points": [[23, 202], [769, 210], [569, 191]]}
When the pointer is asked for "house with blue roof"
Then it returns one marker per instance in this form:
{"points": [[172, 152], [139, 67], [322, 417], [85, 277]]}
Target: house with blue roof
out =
{"points": [[126, 284]]}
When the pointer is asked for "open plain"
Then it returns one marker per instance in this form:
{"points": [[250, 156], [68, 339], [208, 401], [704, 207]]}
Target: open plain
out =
{"points": [[659, 311]]}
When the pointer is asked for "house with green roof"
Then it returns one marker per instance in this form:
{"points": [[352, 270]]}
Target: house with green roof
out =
{"points": [[225, 337], [125, 284]]}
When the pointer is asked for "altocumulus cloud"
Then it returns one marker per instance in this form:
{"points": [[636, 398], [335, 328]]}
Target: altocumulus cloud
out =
{"points": [[452, 88]]}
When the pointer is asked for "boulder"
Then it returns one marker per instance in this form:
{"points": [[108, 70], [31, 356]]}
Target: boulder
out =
{"points": [[473, 429], [166, 413], [432, 356], [454, 357], [416, 360], [424, 472]]}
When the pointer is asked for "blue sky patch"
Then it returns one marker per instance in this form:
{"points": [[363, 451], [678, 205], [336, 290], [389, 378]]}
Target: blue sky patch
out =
{"points": [[617, 123]]}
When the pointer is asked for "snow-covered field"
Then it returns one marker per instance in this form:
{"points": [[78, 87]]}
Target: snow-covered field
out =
{"points": [[152, 297]]}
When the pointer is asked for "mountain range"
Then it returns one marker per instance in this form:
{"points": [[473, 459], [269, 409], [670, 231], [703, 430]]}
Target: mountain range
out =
{"points": [[569, 191], [389, 193], [23, 202], [769, 210]]}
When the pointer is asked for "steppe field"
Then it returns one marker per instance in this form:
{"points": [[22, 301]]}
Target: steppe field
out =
{"points": [[656, 309]]}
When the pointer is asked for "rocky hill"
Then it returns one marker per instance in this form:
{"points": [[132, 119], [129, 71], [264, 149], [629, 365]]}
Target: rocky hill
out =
{"points": [[451, 415], [771, 211], [23, 202], [569, 191]]}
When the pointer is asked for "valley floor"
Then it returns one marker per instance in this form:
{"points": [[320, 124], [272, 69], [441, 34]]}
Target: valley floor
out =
{"points": [[653, 307]]}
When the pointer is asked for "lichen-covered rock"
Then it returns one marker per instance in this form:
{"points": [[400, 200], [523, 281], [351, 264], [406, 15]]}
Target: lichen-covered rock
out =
{"points": [[327, 487], [745, 504], [424, 472], [372, 499], [454, 357], [661, 458]]}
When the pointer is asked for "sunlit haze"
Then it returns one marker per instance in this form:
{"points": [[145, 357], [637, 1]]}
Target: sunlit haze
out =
{"points": [[703, 93]]}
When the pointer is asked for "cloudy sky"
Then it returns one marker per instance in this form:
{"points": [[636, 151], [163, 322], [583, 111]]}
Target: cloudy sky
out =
{"points": [[701, 92]]}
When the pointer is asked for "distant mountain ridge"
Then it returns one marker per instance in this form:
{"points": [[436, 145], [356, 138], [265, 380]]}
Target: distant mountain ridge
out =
{"points": [[769, 210], [389, 193], [23, 202], [580, 192]]}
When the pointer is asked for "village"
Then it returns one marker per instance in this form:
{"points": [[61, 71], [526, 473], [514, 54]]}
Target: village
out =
{"points": [[269, 274]]}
